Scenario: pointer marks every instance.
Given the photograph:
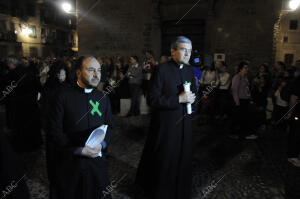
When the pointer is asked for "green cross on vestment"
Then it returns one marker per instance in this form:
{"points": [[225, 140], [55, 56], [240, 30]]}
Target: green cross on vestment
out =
{"points": [[95, 108]]}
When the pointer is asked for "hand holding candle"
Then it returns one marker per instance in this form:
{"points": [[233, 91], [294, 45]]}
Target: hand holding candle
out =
{"points": [[187, 89]]}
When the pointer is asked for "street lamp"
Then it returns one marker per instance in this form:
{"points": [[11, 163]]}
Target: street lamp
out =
{"points": [[66, 7], [26, 31], [294, 4]]}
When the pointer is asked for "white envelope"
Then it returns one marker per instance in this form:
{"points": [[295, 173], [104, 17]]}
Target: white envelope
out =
{"points": [[96, 137]]}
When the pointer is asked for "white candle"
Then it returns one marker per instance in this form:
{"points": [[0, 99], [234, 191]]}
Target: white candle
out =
{"points": [[187, 89]]}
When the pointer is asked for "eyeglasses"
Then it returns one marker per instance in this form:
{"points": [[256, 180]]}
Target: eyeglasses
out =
{"points": [[185, 50]]}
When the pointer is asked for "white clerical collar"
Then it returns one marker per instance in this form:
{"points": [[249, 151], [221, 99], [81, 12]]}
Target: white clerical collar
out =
{"points": [[180, 65], [86, 90], [137, 65]]}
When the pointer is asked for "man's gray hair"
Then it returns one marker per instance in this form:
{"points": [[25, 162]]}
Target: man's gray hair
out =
{"points": [[179, 40]]}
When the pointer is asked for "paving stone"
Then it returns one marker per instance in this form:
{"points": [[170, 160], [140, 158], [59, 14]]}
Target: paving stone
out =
{"points": [[254, 170]]}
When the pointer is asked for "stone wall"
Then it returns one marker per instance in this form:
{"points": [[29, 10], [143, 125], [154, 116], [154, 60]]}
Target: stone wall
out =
{"points": [[124, 27], [242, 29]]}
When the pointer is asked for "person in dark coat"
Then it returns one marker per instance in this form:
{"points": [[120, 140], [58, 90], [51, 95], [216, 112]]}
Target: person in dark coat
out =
{"points": [[123, 88], [7, 96], [293, 115], [165, 169], [57, 80], [22, 105], [79, 172], [12, 175], [71, 76]]}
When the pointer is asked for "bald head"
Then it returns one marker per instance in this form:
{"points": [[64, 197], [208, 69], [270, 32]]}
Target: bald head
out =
{"points": [[90, 61]]}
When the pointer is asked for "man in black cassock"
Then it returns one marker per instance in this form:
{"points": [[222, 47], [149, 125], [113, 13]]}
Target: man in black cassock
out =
{"points": [[76, 171], [165, 169]]}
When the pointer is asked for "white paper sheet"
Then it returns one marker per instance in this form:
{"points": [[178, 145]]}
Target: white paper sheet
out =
{"points": [[96, 137]]}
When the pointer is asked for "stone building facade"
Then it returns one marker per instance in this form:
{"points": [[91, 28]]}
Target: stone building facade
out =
{"points": [[36, 28], [288, 37], [240, 29]]}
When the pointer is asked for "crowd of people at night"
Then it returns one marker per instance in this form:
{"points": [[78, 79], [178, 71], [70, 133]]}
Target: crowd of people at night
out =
{"points": [[248, 99]]}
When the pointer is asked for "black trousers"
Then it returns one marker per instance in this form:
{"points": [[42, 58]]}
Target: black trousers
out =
{"points": [[135, 91], [277, 116], [224, 101], [242, 116], [294, 139]]}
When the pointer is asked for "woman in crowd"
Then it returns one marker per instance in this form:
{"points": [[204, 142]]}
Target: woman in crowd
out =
{"points": [[259, 90], [277, 76], [148, 66], [114, 82], [106, 71], [44, 69], [135, 75], [281, 98], [241, 95], [281, 105], [123, 88], [223, 94], [56, 81], [208, 83], [263, 73], [71, 76]]}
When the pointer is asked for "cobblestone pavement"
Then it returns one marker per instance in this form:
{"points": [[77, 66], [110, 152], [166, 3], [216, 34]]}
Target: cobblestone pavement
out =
{"points": [[223, 168]]}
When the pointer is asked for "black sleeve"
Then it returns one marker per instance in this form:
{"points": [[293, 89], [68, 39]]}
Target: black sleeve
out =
{"points": [[296, 87], [108, 121], [56, 115], [157, 98], [194, 90]]}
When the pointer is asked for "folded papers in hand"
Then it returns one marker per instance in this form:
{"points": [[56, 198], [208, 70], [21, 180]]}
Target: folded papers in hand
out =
{"points": [[96, 137]]}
